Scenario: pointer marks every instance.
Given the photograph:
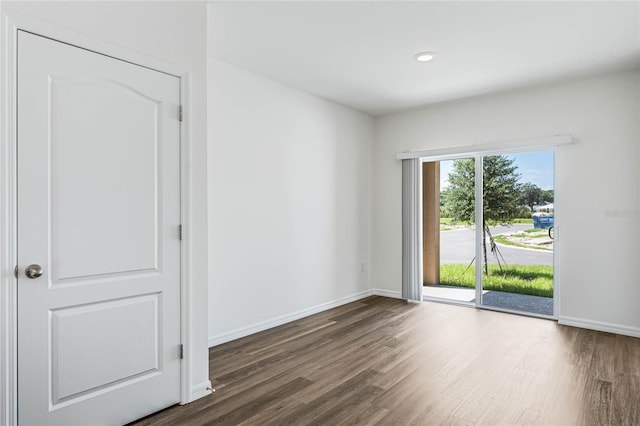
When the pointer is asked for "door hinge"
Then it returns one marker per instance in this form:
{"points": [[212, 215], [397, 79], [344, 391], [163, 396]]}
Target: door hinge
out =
{"points": [[181, 351], [180, 232], [15, 271], [180, 113]]}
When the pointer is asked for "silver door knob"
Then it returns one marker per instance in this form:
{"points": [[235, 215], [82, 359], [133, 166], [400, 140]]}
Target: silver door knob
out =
{"points": [[33, 271]]}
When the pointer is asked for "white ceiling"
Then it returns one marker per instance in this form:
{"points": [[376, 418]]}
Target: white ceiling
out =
{"points": [[361, 54]]}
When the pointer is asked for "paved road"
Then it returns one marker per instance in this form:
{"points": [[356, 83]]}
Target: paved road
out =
{"points": [[458, 246]]}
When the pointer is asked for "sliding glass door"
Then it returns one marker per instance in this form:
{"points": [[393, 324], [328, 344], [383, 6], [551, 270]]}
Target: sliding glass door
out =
{"points": [[494, 235]]}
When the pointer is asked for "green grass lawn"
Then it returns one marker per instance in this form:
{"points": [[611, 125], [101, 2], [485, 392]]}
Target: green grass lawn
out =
{"points": [[527, 221], [535, 280]]}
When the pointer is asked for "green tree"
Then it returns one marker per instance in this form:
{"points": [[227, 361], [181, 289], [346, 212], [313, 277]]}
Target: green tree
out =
{"points": [[531, 195], [546, 196], [501, 194]]}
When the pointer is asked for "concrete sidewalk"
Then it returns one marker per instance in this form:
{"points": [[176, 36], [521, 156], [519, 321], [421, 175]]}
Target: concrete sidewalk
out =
{"points": [[518, 302], [497, 299]]}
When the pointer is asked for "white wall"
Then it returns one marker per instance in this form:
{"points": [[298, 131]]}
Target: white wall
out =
{"points": [[596, 184], [289, 202], [174, 32]]}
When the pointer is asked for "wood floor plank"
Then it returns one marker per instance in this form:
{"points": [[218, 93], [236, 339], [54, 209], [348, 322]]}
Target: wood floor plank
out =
{"points": [[273, 413], [625, 400], [327, 376], [404, 389], [370, 416], [627, 356], [404, 401], [349, 406], [603, 360], [597, 403], [322, 405], [252, 407], [558, 394], [382, 361], [582, 350]]}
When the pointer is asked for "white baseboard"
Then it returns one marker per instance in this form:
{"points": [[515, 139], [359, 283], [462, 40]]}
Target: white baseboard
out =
{"points": [[265, 325], [600, 326], [386, 293], [200, 390], [204, 389]]}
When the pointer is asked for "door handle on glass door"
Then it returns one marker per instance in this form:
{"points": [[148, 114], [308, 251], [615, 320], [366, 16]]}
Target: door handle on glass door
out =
{"points": [[33, 271]]}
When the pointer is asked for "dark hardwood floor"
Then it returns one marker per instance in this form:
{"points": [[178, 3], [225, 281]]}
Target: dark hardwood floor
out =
{"points": [[383, 361]]}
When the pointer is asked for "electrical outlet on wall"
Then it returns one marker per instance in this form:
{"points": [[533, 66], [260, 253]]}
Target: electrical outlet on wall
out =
{"points": [[363, 266]]}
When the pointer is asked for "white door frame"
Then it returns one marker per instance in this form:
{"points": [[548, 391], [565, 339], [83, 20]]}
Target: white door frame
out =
{"points": [[11, 23]]}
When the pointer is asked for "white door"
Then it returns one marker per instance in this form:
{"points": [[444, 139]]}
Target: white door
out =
{"points": [[99, 213]]}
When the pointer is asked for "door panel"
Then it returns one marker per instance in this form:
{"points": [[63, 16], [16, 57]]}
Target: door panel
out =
{"points": [[520, 274], [77, 349], [456, 219], [128, 240], [99, 210]]}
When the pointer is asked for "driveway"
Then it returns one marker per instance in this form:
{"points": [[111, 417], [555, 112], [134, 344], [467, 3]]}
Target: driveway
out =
{"points": [[458, 246]]}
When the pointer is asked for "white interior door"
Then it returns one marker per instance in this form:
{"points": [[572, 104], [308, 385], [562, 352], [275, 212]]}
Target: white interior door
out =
{"points": [[99, 213]]}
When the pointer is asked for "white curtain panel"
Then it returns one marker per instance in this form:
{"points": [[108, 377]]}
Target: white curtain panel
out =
{"points": [[412, 229]]}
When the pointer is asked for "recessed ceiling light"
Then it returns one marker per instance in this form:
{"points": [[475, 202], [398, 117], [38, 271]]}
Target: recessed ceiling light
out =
{"points": [[424, 56]]}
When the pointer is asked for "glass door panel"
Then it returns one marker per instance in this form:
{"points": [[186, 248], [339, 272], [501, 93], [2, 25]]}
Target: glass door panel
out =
{"points": [[517, 237], [449, 230]]}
